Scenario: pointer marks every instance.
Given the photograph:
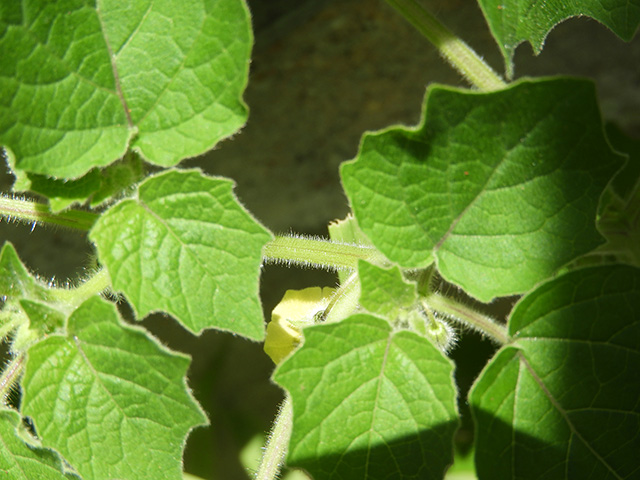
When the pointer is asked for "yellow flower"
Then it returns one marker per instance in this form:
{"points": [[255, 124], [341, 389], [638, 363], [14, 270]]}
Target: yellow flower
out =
{"points": [[297, 309]]}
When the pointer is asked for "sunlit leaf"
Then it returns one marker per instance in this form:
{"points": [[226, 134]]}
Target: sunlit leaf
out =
{"points": [[501, 188], [109, 398], [82, 82], [22, 461], [186, 246], [369, 402]]}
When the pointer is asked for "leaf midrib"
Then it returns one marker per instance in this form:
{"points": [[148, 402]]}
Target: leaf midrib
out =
{"points": [[523, 360]]}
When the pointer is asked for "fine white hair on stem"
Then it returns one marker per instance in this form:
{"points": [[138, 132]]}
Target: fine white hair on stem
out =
{"points": [[318, 252]]}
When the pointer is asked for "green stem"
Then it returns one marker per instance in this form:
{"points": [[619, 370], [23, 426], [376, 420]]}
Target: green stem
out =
{"points": [[454, 50], [73, 297], [276, 448], [468, 316], [29, 211], [10, 319], [10, 376], [345, 301], [319, 253]]}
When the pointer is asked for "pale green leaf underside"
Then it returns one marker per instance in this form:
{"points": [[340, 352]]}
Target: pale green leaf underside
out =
{"points": [[384, 292], [515, 21], [98, 185], [109, 398], [563, 401], [369, 402], [500, 205], [187, 247], [19, 461], [79, 82], [15, 280]]}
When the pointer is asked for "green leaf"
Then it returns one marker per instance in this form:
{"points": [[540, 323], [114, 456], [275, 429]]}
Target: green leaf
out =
{"points": [[109, 398], [22, 461], [97, 185], [346, 231], [384, 292], [562, 402], [501, 205], [83, 82], [30, 309], [15, 280], [626, 183], [619, 219], [187, 247], [369, 402], [42, 317], [515, 21]]}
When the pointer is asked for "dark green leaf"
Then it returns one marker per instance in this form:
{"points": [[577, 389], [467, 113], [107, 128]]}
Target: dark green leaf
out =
{"points": [[562, 401], [619, 219], [515, 21], [97, 185]]}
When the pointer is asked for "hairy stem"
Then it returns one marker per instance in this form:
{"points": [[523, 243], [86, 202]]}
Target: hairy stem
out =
{"points": [[10, 319], [29, 211], [345, 300], [276, 448], [319, 253], [73, 297], [468, 316], [10, 375], [453, 49]]}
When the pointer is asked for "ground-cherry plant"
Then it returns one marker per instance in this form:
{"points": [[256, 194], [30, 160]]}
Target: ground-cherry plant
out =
{"points": [[508, 188]]}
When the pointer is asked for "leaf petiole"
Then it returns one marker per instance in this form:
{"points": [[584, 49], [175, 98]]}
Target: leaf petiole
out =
{"points": [[468, 316], [10, 376], [319, 253], [30, 211], [459, 55], [277, 443]]}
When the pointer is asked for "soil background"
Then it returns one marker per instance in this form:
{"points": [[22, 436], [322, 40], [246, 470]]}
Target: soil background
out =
{"points": [[323, 72]]}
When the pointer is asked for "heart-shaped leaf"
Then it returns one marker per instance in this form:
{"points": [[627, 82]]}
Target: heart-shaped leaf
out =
{"points": [[187, 247], [109, 398], [369, 402], [82, 82], [500, 188]]}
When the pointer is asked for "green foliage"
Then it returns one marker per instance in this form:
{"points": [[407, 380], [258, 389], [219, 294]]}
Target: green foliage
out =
{"points": [[98, 185], [15, 280], [569, 382], [384, 292], [132, 401], [499, 205], [162, 81], [356, 415], [515, 191], [20, 459], [515, 21], [185, 246]]}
